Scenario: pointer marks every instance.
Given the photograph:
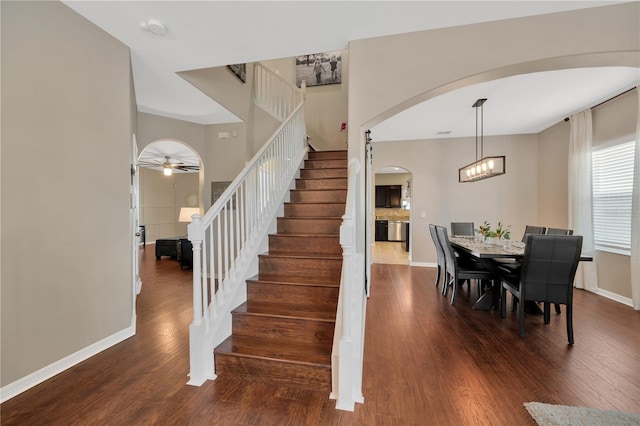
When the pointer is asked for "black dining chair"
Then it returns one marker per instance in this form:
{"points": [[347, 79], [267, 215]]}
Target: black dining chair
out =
{"points": [[548, 270], [459, 269], [462, 229], [512, 266], [558, 231], [442, 271], [532, 230]]}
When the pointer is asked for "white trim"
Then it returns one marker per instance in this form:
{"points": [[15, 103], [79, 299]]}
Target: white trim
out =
{"points": [[424, 264], [613, 296], [12, 389]]}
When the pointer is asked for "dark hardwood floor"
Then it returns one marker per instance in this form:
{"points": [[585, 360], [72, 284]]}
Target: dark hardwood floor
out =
{"points": [[425, 362]]}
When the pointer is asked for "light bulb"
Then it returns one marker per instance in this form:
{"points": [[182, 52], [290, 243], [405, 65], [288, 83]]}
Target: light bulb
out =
{"points": [[484, 167], [167, 171], [491, 164]]}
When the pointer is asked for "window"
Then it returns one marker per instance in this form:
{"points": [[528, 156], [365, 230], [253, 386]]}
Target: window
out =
{"points": [[612, 195]]}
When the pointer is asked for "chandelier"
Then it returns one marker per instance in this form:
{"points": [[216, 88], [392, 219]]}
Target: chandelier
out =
{"points": [[483, 167]]}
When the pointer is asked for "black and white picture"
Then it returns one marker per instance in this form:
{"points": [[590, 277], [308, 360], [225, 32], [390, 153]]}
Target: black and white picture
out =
{"points": [[319, 69], [240, 71]]}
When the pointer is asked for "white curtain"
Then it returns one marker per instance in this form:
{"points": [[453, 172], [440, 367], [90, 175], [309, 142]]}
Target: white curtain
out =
{"points": [[580, 196], [635, 218]]}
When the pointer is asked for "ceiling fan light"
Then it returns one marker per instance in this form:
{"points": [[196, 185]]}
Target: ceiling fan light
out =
{"points": [[167, 171]]}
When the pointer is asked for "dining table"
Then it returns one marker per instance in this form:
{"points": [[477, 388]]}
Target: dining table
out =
{"points": [[486, 254], [489, 255]]}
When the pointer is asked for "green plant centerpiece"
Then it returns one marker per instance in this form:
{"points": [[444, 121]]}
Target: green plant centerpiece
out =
{"points": [[502, 232], [484, 229]]}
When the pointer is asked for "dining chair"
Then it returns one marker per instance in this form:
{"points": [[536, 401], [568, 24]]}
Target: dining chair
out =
{"points": [[512, 266], [558, 231], [458, 269], [462, 229], [548, 270], [532, 230], [442, 271]]}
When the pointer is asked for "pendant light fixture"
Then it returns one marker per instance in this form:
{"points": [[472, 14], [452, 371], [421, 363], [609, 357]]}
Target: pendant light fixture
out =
{"points": [[483, 167]]}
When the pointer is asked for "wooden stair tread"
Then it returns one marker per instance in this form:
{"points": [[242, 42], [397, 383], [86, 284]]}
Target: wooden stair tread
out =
{"points": [[254, 347], [284, 310], [302, 256], [293, 283], [319, 236], [315, 218], [316, 202], [330, 168]]}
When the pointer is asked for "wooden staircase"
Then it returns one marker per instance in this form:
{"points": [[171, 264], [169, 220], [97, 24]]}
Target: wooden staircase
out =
{"points": [[283, 334]]}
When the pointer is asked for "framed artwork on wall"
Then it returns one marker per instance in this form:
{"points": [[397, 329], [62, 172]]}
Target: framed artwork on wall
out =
{"points": [[217, 188], [319, 69], [240, 71]]}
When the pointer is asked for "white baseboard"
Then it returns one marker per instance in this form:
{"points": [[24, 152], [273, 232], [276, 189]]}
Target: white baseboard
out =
{"points": [[424, 264], [613, 296], [12, 389]]}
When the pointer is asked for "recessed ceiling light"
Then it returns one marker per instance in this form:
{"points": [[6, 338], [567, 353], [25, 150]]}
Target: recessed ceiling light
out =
{"points": [[154, 26]]}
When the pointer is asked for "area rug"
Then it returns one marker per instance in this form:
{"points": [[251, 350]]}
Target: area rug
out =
{"points": [[563, 415]]}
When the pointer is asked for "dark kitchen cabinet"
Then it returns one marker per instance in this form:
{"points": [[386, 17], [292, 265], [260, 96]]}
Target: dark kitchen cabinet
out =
{"points": [[382, 230], [388, 195]]}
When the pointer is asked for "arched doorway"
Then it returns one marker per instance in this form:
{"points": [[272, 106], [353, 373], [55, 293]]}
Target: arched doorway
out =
{"points": [[170, 179], [391, 189]]}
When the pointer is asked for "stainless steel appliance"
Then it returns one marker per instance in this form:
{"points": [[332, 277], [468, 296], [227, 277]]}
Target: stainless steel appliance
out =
{"points": [[395, 230]]}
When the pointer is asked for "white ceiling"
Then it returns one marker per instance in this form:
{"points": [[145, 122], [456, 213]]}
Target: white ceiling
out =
{"points": [[522, 104], [202, 34]]}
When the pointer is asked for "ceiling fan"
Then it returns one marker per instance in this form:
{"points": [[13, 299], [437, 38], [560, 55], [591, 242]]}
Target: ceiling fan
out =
{"points": [[168, 166]]}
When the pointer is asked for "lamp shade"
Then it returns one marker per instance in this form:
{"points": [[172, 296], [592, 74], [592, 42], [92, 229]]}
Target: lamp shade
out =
{"points": [[187, 212]]}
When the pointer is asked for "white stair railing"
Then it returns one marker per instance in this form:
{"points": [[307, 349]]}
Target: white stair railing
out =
{"points": [[274, 94], [227, 239], [348, 340]]}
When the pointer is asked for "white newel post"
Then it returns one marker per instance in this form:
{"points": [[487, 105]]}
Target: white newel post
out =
{"points": [[345, 367], [200, 358]]}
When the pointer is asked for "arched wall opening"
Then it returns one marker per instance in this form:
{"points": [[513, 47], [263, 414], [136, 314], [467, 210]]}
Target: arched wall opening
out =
{"points": [[391, 203], [162, 196], [429, 157]]}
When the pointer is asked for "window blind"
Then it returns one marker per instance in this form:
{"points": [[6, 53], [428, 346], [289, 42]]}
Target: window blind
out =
{"points": [[612, 196]]}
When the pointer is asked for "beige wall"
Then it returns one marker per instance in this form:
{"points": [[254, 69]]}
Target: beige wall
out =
{"points": [[221, 85], [326, 107], [66, 149], [224, 158], [553, 179], [152, 128], [613, 121], [436, 192]]}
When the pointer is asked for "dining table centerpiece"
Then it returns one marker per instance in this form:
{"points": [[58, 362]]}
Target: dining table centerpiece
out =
{"points": [[502, 232]]}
